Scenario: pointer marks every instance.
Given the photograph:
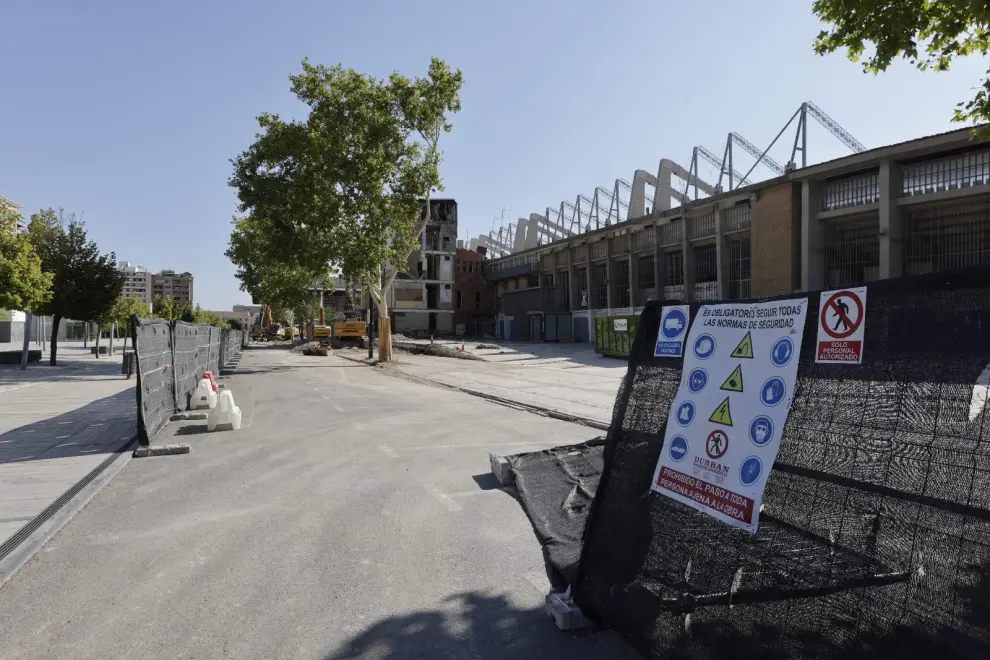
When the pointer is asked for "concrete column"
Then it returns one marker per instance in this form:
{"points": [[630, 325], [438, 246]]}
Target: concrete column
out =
{"points": [[721, 255], [688, 261], [633, 280], [590, 283], [572, 292], [609, 274], [812, 237], [891, 226], [659, 272]]}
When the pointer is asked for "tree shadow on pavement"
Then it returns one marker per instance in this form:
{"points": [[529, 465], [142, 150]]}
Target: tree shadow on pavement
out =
{"points": [[100, 427], [478, 626]]}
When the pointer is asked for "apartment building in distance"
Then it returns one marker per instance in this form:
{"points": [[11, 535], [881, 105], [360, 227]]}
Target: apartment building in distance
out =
{"points": [[170, 284], [137, 281], [16, 208], [146, 286], [423, 295]]}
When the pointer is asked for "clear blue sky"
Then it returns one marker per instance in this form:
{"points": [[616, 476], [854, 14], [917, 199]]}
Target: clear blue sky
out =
{"points": [[128, 112]]}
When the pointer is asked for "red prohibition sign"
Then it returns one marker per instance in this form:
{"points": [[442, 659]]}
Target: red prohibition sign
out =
{"points": [[851, 327], [717, 444]]}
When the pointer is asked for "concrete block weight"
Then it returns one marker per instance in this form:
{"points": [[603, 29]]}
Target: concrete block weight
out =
{"points": [[565, 614], [501, 469], [161, 450]]}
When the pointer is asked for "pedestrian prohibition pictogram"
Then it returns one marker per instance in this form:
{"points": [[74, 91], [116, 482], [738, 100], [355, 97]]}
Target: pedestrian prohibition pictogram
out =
{"points": [[842, 314], [722, 414], [717, 444], [744, 349], [734, 382]]}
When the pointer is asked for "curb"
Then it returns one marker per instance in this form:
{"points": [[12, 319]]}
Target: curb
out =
{"points": [[47, 523], [509, 403]]}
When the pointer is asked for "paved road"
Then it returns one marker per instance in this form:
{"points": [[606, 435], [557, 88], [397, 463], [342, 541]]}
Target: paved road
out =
{"points": [[324, 529], [570, 378], [56, 425]]}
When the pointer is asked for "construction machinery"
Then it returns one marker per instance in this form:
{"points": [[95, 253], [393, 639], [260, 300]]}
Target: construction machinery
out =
{"points": [[350, 331]]}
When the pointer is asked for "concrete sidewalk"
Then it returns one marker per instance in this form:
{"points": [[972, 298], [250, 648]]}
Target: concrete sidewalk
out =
{"points": [[56, 425], [567, 378]]}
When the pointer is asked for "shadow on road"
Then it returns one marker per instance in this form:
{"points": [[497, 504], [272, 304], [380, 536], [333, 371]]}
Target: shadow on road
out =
{"points": [[478, 626]]}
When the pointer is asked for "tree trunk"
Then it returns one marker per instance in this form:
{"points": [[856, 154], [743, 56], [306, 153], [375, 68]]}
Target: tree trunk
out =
{"points": [[28, 322], [384, 331], [56, 320], [113, 331]]}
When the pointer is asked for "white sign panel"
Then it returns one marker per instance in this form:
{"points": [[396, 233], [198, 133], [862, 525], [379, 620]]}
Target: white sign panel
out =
{"points": [[724, 427], [673, 330], [841, 326], [620, 325]]}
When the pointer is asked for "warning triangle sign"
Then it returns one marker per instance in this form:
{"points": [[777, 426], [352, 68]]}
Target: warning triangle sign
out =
{"points": [[734, 383], [722, 415], [744, 349]]}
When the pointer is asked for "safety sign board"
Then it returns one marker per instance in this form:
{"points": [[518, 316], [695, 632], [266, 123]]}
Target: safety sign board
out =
{"points": [[841, 326], [722, 414], [673, 330], [725, 423], [734, 382]]}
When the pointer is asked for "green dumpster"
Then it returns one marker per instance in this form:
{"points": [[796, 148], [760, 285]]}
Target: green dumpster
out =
{"points": [[614, 335]]}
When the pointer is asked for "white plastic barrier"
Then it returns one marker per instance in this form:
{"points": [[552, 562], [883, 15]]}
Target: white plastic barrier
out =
{"points": [[225, 413], [203, 396]]}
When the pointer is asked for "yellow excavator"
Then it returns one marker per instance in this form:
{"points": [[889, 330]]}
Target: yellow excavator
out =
{"points": [[266, 330]]}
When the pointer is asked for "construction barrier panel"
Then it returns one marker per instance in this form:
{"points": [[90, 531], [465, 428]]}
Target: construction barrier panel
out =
{"points": [[152, 339], [873, 536], [614, 335], [171, 359]]}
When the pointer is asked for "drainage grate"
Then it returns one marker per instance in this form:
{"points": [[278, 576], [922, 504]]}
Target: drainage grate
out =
{"points": [[10, 544]]}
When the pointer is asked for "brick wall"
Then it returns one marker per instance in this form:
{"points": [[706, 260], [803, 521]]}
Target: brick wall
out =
{"points": [[468, 284], [775, 239]]}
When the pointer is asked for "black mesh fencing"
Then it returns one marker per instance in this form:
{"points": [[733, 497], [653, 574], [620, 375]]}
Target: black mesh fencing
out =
{"points": [[874, 537], [155, 377], [556, 487], [171, 358]]}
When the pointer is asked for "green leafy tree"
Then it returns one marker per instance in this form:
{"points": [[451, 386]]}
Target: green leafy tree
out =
{"points": [[930, 35], [165, 308], [124, 307], [268, 274], [344, 189], [23, 283], [85, 284]]}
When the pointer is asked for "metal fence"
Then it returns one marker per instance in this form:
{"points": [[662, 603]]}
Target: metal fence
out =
{"points": [[171, 358]]}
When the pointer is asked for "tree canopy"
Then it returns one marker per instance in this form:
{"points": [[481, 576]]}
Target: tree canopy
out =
{"points": [[342, 190], [930, 35], [23, 283], [124, 307], [85, 283]]}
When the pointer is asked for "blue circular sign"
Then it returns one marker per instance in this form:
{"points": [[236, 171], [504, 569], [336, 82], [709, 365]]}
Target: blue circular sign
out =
{"points": [[761, 430], [772, 392], [782, 352], [704, 346], [673, 324], [697, 380], [750, 471], [685, 413], [678, 448]]}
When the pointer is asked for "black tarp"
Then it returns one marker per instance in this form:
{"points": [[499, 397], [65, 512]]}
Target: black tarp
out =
{"points": [[556, 487]]}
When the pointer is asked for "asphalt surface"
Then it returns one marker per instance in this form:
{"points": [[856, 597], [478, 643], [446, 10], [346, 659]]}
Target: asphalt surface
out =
{"points": [[323, 529]]}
